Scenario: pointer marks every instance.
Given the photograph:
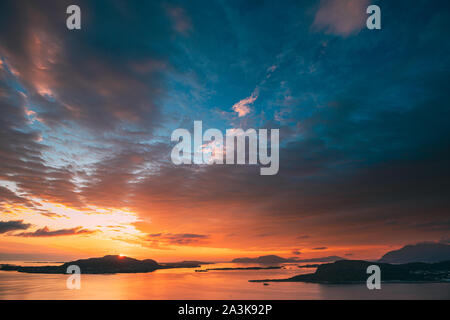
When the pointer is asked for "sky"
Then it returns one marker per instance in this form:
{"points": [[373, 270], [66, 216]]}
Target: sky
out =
{"points": [[86, 118]]}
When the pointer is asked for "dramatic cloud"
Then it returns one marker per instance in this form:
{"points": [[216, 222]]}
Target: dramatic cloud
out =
{"points": [[57, 90], [46, 232], [86, 118], [7, 196], [341, 17], [6, 226], [106, 81]]}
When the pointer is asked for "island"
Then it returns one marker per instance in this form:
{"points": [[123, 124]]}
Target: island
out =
{"points": [[272, 259], [105, 265], [239, 268], [355, 271]]}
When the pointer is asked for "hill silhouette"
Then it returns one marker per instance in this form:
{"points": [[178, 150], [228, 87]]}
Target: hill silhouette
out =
{"points": [[354, 271], [263, 259], [421, 252], [103, 265]]}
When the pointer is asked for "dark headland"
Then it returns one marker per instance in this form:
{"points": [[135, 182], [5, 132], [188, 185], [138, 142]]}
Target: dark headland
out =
{"points": [[105, 265], [354, 271]]}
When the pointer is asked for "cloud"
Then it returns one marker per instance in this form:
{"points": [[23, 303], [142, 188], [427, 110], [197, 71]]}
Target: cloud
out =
{"points": [[243, 107], [341, 17], [74, 81], [176, 238], [364, 156], [6, 226], [105, 93], [296, 252], [180, 20], [8, 196], [46, 232], [320, 248], [271, 69]]}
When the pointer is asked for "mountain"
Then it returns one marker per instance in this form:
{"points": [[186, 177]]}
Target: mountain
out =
{"points": [[354, 271], [422, 252], [277, 259], [104, 265], [263, 259]]}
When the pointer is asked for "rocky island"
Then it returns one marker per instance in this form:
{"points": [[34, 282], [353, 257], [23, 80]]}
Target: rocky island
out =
{"points": [[354, 271], [104, 265], [273, 259]]}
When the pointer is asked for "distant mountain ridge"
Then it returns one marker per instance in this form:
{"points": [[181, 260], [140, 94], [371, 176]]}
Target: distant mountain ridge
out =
{"points": [[429, 252], [277, 259], [263, 259]]}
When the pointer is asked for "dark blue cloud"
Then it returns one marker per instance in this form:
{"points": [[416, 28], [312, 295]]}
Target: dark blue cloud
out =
{"points": [[6, 226]]}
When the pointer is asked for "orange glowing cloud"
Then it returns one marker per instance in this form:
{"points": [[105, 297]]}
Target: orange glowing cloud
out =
{"points": [[243, 107]]}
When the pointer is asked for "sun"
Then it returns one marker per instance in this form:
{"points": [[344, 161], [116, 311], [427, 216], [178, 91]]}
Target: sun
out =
{"points": [[121, 255]]}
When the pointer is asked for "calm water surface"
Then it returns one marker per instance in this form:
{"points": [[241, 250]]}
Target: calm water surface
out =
{"points": [[185, 284]]}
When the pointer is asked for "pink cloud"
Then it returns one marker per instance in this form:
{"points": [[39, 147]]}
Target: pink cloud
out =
{"points": [[243, 106], [341, 17]]}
